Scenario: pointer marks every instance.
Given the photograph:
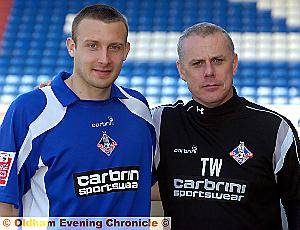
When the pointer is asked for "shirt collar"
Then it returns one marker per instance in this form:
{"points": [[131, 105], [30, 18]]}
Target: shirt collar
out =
{"points": [[66, 96], [228, 107]]}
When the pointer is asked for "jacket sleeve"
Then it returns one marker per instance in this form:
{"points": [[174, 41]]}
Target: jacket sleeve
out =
{"points": [[287, 171], [292, 210]]}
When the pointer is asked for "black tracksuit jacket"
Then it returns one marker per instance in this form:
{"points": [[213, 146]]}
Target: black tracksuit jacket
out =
{"points": [[227, 167]]}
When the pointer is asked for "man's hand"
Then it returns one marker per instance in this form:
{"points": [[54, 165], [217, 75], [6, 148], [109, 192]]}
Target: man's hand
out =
{"points": [[43, 84], [155, 194], [8, 210]]}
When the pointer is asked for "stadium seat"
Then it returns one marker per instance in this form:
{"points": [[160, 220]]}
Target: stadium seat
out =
{"points": [[138, 81], [152, 91], [123, 81]]}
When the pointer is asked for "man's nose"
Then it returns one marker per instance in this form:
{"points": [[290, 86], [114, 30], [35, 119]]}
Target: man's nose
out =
{"points": [[209, 70], [102, 56]]}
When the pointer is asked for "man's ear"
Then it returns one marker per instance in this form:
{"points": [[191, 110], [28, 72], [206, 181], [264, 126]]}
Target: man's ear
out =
{"points": [[181, 70], [235, 64], [71, 46], [127, 49]]}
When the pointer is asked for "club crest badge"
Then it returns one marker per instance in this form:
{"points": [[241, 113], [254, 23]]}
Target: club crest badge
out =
{"points": [[107, 144], [241, 154]]}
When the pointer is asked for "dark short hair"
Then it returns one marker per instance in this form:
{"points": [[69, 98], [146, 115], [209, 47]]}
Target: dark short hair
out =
{"points": [[100, 12], [203, 29]]}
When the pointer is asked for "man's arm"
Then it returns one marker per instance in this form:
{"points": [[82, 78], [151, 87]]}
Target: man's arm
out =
{"points": [[8, 210], [288, 177], [292, 210], [155, 194]]}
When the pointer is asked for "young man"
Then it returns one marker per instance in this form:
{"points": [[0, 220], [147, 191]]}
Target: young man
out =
{"points": [[222, 161], [84, 146]]}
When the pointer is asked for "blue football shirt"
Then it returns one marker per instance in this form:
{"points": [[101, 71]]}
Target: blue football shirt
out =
{"points": [[62, 156]]}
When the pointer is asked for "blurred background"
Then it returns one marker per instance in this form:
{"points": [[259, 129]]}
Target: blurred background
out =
{"points": [[266, 35]]}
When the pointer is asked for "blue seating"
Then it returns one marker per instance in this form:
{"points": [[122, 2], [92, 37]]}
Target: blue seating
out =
{"points": [[280, 91], [138, 81], [4, 61], [294, 81], [281, 82], [248, 73], [152, 91], [264, 73], [264, 100], [10, 89], [294, 92], [279, 25], [279, 73], [294, 74], [169, 81], [123, 81], [154, 81], [280, 100], [265, 81], [34, 45], [248, 91], [169, 91]]}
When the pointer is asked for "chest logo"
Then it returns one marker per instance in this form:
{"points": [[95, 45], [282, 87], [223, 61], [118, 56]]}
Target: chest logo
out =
{"points": [[109, 122], [107, 144], [241, 154], [193, 149]]}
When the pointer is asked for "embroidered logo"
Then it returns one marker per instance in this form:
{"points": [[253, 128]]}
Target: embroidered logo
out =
{"points": [[193, 149], [241, 154], [6, 161], [107, 144], [109, 122], [201, 110]]}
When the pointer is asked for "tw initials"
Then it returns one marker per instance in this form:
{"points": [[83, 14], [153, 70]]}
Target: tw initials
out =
{"points": [[211, 165]]}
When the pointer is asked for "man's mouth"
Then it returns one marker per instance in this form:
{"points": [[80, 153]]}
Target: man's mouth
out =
{"points": [[102, 72], [211, 85]]}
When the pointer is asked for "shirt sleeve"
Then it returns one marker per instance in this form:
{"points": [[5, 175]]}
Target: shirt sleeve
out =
{"points": [[156, 114], [12, 131], [287, 171], [292, 210]]}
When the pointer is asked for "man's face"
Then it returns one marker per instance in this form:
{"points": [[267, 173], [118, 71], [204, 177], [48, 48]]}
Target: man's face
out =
{"points": [[98, 54], [208, 67]]}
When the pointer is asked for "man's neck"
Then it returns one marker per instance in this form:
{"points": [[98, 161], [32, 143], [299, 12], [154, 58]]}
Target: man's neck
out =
{"points": [[85, 91]]}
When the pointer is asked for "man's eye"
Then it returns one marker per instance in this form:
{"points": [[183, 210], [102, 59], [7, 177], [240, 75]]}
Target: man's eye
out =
{"points": [[93, 45], [198, 63], [115, 47], [217, 61]]}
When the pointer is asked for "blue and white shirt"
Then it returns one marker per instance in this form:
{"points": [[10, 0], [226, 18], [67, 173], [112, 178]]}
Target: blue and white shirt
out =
{"points": [[62, 156]]}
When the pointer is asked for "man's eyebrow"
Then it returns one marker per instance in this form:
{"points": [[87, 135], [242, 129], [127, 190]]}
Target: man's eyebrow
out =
{"points": [[218, 56], [117, 43], [203, 59], [90, 40], [196, 60], [95, 41]]}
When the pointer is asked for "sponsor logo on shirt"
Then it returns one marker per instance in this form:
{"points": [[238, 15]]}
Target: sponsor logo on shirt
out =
{"points": [[107, 144], [6, 161], [241, 154], [210, 189], [106, 181], [110, 122], [192, 150]]}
